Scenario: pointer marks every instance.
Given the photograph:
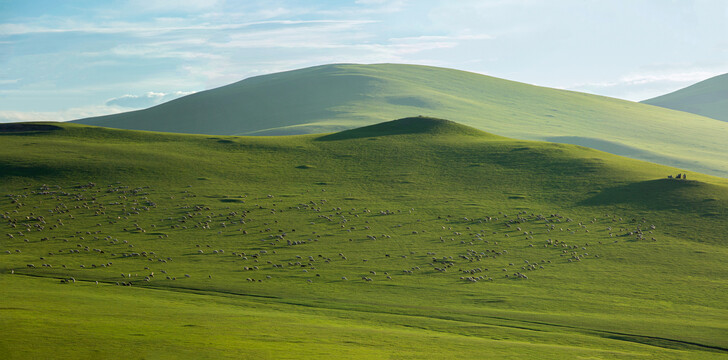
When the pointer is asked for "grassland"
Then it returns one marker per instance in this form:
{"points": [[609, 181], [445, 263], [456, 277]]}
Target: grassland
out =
{"points": [[249, 240], [332, 98], [706, 98]]}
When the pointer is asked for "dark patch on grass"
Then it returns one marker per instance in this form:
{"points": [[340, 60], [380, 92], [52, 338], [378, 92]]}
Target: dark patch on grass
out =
{"points": [[232, 200], [663, 343], [413, 101], [305, 167], [516, 197], [223, 141], [657, 194], [22, 127], [488, 301], [33, 171]]}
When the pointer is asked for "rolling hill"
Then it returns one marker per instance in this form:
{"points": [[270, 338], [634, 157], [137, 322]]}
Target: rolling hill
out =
{"points": [[337, 97], [707, 98], [401, 239]]}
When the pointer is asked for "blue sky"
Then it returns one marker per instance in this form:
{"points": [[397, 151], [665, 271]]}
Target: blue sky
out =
{"points": [[62, 60]]}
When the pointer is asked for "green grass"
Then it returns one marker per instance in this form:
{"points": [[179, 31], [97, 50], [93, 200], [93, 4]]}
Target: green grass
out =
{"points": [[332, 98], [403, 195], [707, 98]]}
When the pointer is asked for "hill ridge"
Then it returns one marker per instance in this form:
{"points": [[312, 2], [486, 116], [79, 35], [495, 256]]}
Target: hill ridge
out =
{"points": [[331, 98]]}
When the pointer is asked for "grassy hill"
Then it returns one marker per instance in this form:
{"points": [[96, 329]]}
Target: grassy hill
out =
{"points": [[707, 98], [331, 98], [398, 240]]}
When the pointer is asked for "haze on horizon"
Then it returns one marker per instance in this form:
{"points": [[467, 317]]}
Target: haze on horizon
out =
{"points": [[74, 59]]}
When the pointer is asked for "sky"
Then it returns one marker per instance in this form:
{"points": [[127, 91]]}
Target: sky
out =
{"points": [[64, 60]]}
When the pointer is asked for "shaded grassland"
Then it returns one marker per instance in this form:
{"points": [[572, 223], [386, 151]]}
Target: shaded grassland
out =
{"points": [[409, 239]]}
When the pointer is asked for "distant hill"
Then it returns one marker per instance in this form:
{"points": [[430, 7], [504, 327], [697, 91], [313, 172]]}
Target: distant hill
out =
{"points": [[332, 98], [707, 98]]}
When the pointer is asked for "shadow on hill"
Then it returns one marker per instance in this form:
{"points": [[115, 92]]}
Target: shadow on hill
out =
{"points": [[25, 127], [616, 148], [406, 126], [662, 194], [599, 144], [29, 171]]}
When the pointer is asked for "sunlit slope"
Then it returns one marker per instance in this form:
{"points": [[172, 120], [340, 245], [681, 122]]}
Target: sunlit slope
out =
{"points": [[416, 194], [335, 97], [707, 98], [389, 160]]}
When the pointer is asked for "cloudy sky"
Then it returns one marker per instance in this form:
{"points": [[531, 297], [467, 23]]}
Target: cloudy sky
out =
{"points": [[62, 60]]}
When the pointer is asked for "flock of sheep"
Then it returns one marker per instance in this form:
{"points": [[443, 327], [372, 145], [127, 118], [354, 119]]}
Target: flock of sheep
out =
{"points": [[262, 238]]}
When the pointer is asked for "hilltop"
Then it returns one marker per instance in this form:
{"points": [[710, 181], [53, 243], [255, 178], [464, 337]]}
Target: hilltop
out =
{"points": [[423, 126], [332, 98], [707, 98]]}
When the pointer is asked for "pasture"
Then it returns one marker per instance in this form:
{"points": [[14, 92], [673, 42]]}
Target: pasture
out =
{"points": [[408, 239]]}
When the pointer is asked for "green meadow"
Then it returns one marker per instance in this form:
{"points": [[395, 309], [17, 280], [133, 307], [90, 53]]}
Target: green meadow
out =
{"points": [[410, 239], [332, 98]]}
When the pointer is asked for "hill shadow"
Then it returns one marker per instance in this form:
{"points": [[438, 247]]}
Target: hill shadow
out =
{"points": [[659, 194], [11, 128]]}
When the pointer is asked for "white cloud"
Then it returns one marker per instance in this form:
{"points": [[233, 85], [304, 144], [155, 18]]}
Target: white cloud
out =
{"points": [[175, 5], [371, 2], [62, 115], [146, 100], [648, 84], [113, 106], [443, 37], [679, 77]]}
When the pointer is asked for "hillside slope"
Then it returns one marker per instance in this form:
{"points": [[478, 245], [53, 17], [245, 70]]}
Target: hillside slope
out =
{"points": [[336, 97], [395, 240], [707, 98]]}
